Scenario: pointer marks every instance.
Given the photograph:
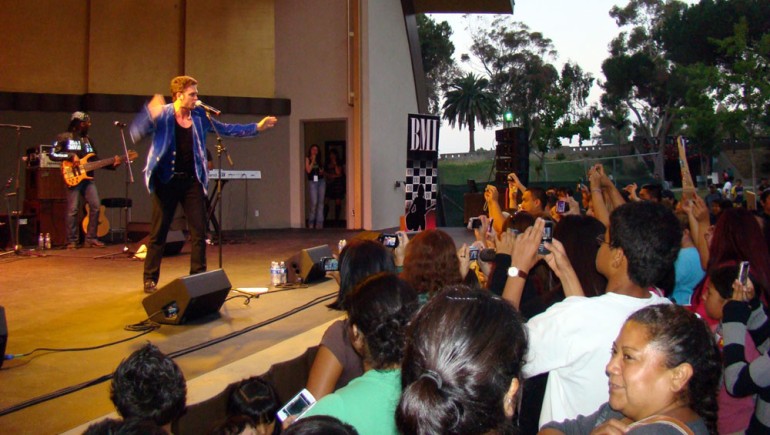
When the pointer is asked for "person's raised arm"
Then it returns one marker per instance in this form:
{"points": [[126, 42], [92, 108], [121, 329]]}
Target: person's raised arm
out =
{"points": [[616, 199], [495, 212], [523, 257], [519, 185], [558, 262], [597, 197], [266, 123]]}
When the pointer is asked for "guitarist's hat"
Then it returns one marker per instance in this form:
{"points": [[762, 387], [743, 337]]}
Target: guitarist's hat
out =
{"points": [[80, 116]]}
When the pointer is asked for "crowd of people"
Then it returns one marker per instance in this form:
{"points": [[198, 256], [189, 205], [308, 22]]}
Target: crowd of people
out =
{"points": [[511, 334]]}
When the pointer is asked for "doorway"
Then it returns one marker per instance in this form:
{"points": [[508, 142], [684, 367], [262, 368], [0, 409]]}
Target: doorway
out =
{"points": [[331, 193]]}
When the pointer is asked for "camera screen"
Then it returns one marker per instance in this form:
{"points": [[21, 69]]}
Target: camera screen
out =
{"points": [[297, 405], [474, 254], [330, 264], [389, 241]]}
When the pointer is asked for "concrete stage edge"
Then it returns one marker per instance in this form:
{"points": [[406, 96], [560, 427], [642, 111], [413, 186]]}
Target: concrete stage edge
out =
{"points": [[68, 299]]}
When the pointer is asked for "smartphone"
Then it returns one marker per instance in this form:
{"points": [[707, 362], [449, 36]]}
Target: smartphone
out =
{"points": [[546, 237], [389, 240], [297, 405], [473, 253], [330, 264], [743, 273], [562, 206]]}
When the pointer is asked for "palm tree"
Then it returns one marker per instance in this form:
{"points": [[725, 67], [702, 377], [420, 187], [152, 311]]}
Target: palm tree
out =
{"points": [[468, 102]]}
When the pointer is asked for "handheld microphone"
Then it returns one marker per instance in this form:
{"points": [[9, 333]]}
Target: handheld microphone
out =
{"points": [[119, 124], [207, 108]]}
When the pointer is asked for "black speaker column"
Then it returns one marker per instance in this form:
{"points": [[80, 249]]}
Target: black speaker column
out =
{"points": [[511, 155]]}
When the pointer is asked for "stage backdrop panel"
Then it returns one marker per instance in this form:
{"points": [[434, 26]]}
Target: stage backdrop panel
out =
{"points": [[421, 189]]}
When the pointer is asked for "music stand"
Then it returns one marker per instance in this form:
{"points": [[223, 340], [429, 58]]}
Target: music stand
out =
{"points": [[129, 180], [14, 232]]}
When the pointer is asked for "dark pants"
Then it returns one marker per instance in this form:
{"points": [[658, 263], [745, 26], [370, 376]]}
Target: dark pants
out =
{"points": [[188, 192]]}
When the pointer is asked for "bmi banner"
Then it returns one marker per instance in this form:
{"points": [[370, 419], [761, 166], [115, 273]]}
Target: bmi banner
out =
{"points": [[421, 187]]}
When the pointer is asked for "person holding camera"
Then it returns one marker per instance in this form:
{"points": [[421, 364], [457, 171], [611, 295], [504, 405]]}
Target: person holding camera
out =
{"points": [[316, 185], [570, 339]]}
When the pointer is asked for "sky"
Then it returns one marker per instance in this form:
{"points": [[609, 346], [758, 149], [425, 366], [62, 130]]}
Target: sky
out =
{"points": [[580, 31]]}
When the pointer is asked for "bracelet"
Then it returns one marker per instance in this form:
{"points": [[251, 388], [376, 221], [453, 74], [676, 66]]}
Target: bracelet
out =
{"points": [[596, 190]]}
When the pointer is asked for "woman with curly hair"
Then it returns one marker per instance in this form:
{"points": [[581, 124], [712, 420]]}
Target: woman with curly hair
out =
{"points": [[663, 378], [379, 309], [431, 263]]}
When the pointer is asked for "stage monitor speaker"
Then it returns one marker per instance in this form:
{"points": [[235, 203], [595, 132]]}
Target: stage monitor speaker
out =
{"points": [[3, 335], [306, 265], [188, 298]]}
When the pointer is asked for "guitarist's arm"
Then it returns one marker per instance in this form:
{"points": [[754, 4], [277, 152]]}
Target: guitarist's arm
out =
{"points": [[61, 151]]}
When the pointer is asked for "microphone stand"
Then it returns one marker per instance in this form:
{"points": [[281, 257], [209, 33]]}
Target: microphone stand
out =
{"points": [[14, 233], [129, 180], [220, 150]]}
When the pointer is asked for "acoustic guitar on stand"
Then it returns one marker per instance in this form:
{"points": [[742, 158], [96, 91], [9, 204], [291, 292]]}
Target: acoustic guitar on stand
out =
{"points": [[75, 173]]}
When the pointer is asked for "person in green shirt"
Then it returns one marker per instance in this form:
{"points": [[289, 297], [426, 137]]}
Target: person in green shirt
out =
{"points": [[378, 309]]}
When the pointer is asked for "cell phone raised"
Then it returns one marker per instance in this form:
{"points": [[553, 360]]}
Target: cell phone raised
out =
{"points": [[330, 264], [298, 405], [562, 206], [473, 253], [743, 273], [546, 237], [388, 240]]}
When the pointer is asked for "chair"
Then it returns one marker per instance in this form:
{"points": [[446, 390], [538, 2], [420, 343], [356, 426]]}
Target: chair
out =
{"points": [[121, 204]]}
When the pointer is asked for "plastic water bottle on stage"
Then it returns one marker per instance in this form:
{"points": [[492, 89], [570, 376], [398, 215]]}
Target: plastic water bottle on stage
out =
{"points": [[284, 273], [275, 274], [40, 242], [47, 240]]}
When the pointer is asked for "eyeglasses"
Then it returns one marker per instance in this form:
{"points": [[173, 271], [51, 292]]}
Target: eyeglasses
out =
{"points": [[600, 240]]}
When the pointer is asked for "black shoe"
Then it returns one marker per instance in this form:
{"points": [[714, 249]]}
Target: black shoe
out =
{"points": [[150, 286]]}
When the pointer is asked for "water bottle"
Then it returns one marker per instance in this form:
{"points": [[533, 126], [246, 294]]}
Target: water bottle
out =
{"points": [[284, 273], [40, 242], [47, 240], [275, 274]]}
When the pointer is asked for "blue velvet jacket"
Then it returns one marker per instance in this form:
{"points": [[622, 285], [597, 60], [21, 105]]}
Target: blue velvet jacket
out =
{"points": [[161, 158]]}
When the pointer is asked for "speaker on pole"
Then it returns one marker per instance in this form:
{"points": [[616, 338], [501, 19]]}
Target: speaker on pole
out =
{"points": [[306, 266], [188, 298]]}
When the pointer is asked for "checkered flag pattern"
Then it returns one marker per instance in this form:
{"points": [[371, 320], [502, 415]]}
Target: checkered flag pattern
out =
{"points": [[425, 173]]}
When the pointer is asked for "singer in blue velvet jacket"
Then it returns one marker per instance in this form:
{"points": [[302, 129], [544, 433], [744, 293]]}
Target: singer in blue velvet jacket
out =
{"points": [[160, 160], [176, 171]]}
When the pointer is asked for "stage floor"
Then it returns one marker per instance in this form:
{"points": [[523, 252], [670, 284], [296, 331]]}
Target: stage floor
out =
{"points": [[68, 299]]}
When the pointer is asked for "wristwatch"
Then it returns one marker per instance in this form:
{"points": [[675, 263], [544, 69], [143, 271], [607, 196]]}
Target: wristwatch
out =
{"points": [[514, 271]]}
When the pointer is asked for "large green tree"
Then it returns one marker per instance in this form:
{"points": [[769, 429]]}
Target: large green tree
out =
{"points": [[639, 77], [744, 86], [550, 104], [437, 50], [468, 102]]}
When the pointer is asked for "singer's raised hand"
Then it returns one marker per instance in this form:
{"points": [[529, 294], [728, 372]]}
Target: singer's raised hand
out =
{"points": [[266, 123], [155, 106]]}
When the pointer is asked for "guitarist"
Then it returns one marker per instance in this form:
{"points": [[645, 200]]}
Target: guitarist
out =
{"points": [[72, 146]]}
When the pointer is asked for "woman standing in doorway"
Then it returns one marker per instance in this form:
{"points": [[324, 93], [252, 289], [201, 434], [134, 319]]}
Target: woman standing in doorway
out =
{"points": [[314, 169]]}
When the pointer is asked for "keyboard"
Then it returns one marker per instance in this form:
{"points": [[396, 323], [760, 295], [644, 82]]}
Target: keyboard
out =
{"points": [[235, 174]]}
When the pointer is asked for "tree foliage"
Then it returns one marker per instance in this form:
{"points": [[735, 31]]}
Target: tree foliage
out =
{"points": [[550, 104], [437, 50], [469, 101]]}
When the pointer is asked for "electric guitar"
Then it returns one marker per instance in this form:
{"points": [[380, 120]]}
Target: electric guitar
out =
{"points": [[75, 173], [103, 228]]}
